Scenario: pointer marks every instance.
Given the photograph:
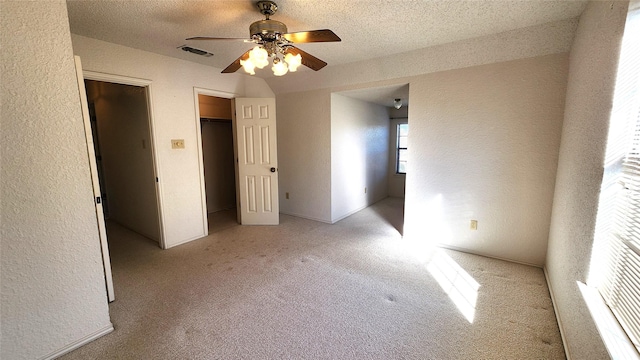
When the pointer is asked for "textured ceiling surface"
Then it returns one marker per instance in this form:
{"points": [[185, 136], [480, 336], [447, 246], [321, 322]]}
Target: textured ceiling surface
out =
{"points": [[369, 29]]}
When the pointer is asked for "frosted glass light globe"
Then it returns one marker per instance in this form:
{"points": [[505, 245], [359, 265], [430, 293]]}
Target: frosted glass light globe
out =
{"points": [[294, 61], [279, 68], [259, 57], [248, 66]]}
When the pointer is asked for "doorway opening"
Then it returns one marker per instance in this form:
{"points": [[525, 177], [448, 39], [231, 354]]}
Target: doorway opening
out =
{"points": [[369, 137], [216, 136], [121, 129]]}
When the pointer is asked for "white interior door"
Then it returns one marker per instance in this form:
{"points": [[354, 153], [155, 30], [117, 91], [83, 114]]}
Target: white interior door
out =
{"points": [[102, 229], [257, 161]]}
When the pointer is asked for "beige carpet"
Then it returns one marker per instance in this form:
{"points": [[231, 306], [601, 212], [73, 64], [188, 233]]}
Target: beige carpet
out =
{"points": [[308, 290]]}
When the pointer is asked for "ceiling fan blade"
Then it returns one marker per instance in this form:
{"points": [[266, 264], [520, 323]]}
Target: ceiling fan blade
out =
{"points": [[216, 38], [324, 35], [308, 60], [234, 66]]}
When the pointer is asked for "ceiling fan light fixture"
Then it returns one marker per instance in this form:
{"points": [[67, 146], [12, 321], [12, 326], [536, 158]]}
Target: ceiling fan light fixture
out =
{"points": [[397, 103], [259, 57], [273, 40], [279, 67], [248, 66], [294, 61]]}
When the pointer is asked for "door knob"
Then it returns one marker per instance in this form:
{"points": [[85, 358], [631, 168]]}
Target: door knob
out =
{"points": [[273, 169]]}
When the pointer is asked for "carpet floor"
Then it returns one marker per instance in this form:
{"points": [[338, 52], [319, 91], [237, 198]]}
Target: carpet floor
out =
{"points": [[309, 290]]}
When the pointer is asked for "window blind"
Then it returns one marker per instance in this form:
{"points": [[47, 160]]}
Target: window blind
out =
{"points": [[619, 253]]}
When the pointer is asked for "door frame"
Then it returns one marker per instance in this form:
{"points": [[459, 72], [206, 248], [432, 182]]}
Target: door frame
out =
{"points": [[203, 193], [126, 80]]}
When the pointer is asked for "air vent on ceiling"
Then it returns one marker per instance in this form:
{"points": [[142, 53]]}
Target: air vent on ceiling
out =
{"points": [[195, 51]]}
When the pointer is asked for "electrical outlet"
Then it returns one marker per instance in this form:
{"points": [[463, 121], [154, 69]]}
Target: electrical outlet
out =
{"points": [[474, 225], [365, 190], [177, 143]]}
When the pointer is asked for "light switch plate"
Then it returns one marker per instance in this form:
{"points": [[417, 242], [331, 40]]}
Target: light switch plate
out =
{"points": [[177, 143], [474, 225]]}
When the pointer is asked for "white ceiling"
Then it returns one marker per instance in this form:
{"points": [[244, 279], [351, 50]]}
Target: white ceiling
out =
{"points": [[368, 29]]}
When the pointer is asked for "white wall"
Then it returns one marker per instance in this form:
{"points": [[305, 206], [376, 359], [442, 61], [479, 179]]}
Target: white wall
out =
{"points": [[592, 72], [485, 137], [483, 145], [359, 155], [304, 154], [219, 166], [173, 111], [122, 120], [52, 282]]}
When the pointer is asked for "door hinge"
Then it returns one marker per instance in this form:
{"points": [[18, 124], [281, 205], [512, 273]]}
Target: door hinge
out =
{"points": [[98, 200], [156, 179]]}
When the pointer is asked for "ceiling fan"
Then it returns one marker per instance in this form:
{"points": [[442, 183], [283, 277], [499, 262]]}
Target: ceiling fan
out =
{"points": [[273, 41]]}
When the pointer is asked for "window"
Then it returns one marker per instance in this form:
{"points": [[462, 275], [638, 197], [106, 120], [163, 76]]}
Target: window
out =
{"points": [[401, 148], [615, 263]]}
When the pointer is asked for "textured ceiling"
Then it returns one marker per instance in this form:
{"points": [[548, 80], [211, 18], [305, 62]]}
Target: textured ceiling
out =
{"points": [[369, 29]]}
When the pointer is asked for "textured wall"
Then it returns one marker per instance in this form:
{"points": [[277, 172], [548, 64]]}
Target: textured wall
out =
{"points": [[173, 109], [483, 145], [502, 141], [592, 73], [304, 154], [52, 283], [122, 120], [359, 155], [485, 138]]}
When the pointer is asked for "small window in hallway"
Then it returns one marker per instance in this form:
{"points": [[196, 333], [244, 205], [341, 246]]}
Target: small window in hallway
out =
{"points": [[401, 149]]}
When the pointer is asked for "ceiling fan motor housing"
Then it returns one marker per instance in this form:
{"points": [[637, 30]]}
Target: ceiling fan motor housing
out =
{"points": [[267, 7], [267, 29]]}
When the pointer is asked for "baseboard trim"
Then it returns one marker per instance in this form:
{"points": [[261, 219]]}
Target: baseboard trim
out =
{"points": [[78, 343], [333, 221], [350, 213], [555, 311], [445, 246], [148, 236], [305, 217], [169, 246]]}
